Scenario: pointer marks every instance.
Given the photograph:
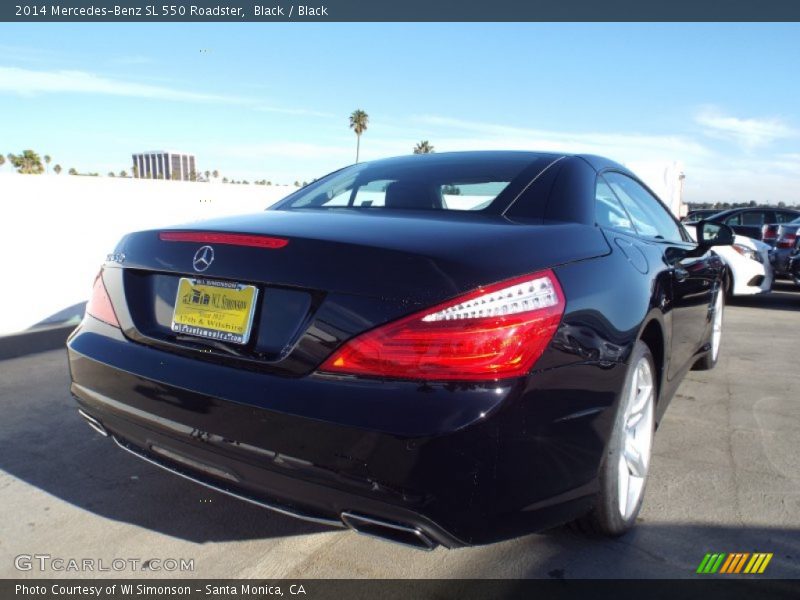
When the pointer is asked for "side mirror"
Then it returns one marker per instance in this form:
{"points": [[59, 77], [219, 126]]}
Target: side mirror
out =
{"points": [[714, 234]]}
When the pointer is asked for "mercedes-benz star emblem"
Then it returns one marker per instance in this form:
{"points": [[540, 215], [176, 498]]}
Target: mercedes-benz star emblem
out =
{"points": [[203, 258]]}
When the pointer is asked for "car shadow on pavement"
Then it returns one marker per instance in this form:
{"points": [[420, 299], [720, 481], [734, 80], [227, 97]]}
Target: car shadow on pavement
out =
{"points": [[44, 443], [785, 295]]}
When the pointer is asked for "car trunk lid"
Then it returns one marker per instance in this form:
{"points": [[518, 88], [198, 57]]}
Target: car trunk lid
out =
{"points": [[416, 257], [325, 276]]}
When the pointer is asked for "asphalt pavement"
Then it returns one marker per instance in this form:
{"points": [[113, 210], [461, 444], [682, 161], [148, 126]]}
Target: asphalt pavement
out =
{"points": [[725, 478]]}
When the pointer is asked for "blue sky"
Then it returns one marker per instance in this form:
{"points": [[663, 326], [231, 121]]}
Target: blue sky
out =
{"points": [[271, 100]]}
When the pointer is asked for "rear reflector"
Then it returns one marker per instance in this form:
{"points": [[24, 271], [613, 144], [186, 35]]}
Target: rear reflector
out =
{"points": [[231, 239], [99, 305], [494, 332]]}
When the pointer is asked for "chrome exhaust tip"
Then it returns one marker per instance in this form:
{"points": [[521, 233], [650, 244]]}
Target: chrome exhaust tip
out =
{"points": [[93, 423], [389, 531]]}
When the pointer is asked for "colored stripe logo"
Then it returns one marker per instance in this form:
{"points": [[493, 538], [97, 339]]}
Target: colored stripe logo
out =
{"points": [[733, 563]]}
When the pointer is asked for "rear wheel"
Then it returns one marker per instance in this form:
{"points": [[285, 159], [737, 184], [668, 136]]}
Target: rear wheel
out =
{"points": [[709, 361], [623, 474]]}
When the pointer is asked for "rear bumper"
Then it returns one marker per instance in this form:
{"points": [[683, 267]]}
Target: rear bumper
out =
{"points": [[461, 464]]}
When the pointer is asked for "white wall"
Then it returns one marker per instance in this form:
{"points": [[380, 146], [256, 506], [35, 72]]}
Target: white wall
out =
{"points": [[665, 179], [55, 231]]}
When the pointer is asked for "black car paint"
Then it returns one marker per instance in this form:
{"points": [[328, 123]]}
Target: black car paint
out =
{"points": [[467, 463]]}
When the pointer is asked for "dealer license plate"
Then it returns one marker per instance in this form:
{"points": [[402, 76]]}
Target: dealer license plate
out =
{"points": [[218, 310]]}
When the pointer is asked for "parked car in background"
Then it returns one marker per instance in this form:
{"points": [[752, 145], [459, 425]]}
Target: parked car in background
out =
{"points": [[363, 354], [750, 221], [699, 214], [747, 266], [786, 243]]}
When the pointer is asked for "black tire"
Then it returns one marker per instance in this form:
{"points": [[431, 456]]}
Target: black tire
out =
{"points": [[727, 283], [710, 358], [606, 518]]}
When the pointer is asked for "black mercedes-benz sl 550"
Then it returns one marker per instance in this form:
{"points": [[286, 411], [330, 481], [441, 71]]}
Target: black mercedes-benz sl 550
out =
{"points": [[444, 349]]}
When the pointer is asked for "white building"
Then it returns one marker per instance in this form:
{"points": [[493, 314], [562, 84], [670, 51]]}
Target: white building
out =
{"points": [[666, 179], [164, 164]]}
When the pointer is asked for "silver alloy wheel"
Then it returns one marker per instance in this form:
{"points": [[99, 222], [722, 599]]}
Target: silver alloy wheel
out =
{"points": [[716, 326], [636, 439]]}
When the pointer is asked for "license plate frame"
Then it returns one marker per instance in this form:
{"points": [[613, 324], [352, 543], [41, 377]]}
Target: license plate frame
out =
{"points": [[210, 314]]}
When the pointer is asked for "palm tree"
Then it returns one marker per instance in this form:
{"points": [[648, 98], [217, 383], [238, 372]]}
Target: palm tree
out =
{"points": [[423, 147], [57, 169], [27, 163], [72, 171], [215, 173], [207, 173], [358, 123], [123, 173], [47, 162]]}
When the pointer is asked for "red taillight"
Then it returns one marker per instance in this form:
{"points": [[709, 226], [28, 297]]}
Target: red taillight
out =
{"points": [[231, 239], [99, 305], [787, 240], [769, 232], [495, 332]]}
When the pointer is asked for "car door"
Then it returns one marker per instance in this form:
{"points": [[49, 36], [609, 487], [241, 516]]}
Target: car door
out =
{"points": [[692, 276]]}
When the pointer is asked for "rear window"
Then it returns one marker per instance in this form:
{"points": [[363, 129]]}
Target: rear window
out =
{"points": [[441, 185]]}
